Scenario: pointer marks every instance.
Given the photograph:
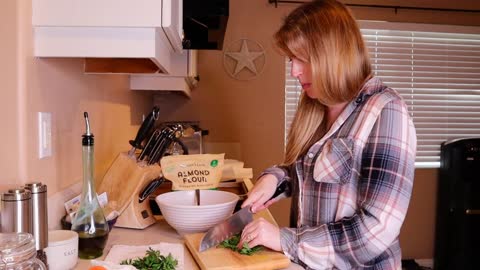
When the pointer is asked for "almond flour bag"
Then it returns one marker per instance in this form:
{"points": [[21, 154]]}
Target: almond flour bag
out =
{"points": [[188, 172]]}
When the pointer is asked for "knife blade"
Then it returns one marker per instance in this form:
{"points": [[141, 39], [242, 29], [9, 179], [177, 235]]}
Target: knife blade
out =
{"points": [[235, 223]]}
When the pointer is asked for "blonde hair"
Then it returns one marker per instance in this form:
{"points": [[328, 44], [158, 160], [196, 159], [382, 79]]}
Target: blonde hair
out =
{"points": [[324, 34]]}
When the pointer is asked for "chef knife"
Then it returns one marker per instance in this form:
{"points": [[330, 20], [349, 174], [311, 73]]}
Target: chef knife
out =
{"points": [[236, 222], [143, 131]]}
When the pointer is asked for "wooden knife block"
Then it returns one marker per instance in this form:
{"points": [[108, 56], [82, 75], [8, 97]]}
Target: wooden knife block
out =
{"points": [[123, 182]]}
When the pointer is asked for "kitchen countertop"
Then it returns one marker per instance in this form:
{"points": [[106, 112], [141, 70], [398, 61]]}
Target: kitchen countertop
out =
{"points": [[158, 232], [161, 232]]}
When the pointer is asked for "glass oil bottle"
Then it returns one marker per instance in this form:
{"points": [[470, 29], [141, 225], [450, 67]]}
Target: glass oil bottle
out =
{"points": [[89, 222]]}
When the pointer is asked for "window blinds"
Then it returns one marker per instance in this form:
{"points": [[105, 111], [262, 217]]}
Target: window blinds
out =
{"points": [[438, 76], [292, 96]]}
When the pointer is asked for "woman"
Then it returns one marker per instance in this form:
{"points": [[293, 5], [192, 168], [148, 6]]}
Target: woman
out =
{"points": [[350, 152]]}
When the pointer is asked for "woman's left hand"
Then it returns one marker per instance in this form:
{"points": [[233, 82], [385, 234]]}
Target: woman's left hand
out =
{"points": [[261, 232]]}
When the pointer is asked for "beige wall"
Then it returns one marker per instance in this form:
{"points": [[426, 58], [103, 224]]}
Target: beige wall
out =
{"points": [[31, 85], [8, 75], [252, 112]]}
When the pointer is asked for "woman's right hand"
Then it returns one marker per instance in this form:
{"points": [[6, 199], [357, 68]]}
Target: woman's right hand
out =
{"points": [[263, 190]]}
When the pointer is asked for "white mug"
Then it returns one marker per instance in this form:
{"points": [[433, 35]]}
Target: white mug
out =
{"points": [[62, 250]]}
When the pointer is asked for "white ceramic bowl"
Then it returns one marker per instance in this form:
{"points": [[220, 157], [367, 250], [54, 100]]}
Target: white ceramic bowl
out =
{"points": [[180, 210], [62, 250]]}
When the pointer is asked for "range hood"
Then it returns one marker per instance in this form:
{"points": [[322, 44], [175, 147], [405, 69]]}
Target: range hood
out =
{"points": [[123, 36], [204, 24]]}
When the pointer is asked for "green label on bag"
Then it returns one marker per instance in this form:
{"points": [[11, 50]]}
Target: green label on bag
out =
{"points": [[214, 163]]}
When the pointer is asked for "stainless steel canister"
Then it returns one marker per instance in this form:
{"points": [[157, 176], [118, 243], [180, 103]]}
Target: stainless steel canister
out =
{"points": [[39, 213], [16, 211]]}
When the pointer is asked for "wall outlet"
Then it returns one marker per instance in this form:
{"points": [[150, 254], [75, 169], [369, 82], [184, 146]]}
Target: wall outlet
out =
{"points": [[44, 134]]}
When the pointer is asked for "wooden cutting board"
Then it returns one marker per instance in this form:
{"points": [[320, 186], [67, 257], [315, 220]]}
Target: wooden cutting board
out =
{"points": [[223, 259]]}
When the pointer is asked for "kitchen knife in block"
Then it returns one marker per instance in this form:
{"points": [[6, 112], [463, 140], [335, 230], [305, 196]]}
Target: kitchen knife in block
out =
{"points": [[235, 223], [143, 131], [123, 182], [226, 259]]}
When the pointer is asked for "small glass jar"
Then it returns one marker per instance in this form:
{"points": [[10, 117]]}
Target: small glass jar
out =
{"points": [[17, 252]]}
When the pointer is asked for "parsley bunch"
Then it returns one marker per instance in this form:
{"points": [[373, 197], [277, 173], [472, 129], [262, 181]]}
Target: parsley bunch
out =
{"points": [[153, 260], [232, 243]]}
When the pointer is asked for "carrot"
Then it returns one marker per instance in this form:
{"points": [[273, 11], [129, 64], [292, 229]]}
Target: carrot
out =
{"points": [[98, 267]]}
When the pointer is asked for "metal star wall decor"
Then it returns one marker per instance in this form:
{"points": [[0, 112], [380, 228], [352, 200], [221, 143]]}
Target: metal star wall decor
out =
{"points": [[244, 59]]}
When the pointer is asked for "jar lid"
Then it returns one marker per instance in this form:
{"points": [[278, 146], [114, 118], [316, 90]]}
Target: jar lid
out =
{"points": [[16, 248], [18, 194], [36, 187]]}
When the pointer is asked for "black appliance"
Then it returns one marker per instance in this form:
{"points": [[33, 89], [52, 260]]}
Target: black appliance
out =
{"points": [[457, 235], [204, 24]]}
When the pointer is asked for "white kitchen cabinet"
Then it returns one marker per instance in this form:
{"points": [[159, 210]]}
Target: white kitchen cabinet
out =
{"points": [[183, 77], [109, 29]]}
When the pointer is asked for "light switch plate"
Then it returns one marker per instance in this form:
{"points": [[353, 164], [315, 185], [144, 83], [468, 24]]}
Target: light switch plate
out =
{"points": [[44, 134]]}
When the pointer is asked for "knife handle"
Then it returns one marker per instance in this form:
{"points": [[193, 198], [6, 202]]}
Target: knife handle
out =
{"points": [[150, 188], [161, 137], [284, 187], [145, 128], [147, 149]]}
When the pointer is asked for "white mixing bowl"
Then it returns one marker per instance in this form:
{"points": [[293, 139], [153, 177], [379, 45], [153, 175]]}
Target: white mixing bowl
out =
{"points": [[181, 212]]}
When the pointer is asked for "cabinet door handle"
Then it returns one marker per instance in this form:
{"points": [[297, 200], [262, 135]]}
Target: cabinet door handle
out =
{"points": [[472, 211]]}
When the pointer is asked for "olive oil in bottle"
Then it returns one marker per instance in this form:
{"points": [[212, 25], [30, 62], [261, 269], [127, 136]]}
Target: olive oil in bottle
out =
{"points": [[91, 246], [89, 222]]}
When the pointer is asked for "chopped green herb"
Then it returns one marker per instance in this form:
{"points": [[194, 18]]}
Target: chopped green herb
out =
{"points": [[232, 243], [153, 260]]}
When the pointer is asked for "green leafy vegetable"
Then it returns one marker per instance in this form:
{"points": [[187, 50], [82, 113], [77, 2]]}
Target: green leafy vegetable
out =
{"points": [[232, 243], [153, 260]]}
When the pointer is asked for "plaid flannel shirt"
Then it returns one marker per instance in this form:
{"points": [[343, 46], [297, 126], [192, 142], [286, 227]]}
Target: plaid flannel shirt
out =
{"points": [[351, 191]]}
